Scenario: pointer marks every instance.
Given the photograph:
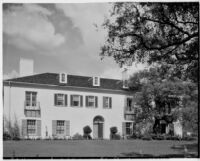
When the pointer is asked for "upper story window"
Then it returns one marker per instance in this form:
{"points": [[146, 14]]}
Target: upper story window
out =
{"points": [[91, 101], [76, 100], [31, 98], [125, 83], [96, 81], [60, 99], [63, 78], [107, 102]]}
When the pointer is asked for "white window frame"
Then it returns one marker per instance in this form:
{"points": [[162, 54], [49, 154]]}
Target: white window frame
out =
{"points": [[61, 78], [129, 108], [31, 127], [31, 102], [96, 81], [60, 127], [63, 99], [93, 101], [79, 100], [125, 84], [130, 127], [108, 104]]}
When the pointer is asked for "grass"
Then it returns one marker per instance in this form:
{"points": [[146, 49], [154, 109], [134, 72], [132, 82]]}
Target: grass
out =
{"points": [[99, 148]]}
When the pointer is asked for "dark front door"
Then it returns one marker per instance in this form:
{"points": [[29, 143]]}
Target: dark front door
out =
{"points": [[100, 130]]}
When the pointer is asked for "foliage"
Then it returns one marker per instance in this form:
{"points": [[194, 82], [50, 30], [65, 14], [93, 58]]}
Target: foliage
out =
{"points": [[87, 130], [113, 130], [160, 95], [161, 33], [77, 136], [13, 130]]}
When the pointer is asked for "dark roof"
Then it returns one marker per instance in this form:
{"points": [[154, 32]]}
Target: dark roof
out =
{"points": [[72, 80]]}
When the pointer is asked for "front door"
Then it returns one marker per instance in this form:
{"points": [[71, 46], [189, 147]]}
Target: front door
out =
{"points": [[100, 130], [98, 123]]}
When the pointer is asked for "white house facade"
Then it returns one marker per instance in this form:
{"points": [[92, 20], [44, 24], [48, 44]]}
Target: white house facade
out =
{"points": [[59, 105]]}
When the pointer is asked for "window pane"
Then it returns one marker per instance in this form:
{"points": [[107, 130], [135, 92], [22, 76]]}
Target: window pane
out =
{"points": [[76, 100]]}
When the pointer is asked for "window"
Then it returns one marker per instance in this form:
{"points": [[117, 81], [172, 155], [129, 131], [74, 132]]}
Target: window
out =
{"points": [[31, 126], [125, 83], [96, 81], [63, 78], [129, 128], [76, 100], [91, 101], [60, 99], [129, 105], [107, 102], [60, 128], [31, 98]]}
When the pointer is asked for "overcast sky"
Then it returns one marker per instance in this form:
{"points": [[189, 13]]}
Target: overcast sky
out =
{"points": [[59, 38]]}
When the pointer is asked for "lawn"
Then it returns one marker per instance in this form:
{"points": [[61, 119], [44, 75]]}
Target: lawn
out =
{"points": [[99, 148]]}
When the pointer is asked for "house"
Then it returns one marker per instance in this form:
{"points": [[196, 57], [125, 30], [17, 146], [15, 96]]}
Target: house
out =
{"points": [[59, 105]]}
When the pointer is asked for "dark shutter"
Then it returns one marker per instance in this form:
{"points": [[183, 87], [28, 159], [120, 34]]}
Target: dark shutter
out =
{"points": [[54, 124], [81, 101], [67, 127], [86, 101], [71, 97], [55, 99], [123, 128], [96, 101], [104, 104], [110, 102], [24, 128], [65, 99], [38, 123]]}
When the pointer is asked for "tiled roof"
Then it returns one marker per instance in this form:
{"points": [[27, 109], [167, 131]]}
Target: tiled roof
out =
{"points": [[72, 80]]}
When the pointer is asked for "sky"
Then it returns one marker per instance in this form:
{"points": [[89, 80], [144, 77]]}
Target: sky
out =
{"points": [[58, 38]]}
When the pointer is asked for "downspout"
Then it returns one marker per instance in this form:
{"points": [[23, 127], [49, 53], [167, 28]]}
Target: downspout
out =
{"points": [[9, 83]]}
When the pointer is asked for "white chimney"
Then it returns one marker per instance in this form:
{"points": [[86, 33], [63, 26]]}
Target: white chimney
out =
{"points": [[26, 67], [125, 78]]}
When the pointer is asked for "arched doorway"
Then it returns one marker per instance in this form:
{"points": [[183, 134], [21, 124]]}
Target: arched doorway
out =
{"points": [[98, 124]]}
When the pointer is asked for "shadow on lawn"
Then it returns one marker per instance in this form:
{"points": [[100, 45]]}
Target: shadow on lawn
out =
{"points": [[185, 151]]}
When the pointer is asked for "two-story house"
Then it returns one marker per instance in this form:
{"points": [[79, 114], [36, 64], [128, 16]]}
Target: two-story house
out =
{"points": [[60, 105]]}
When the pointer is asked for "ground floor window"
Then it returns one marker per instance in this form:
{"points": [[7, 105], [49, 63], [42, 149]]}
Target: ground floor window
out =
{"points": [[31, 126], [60, 128], [129, 128]]}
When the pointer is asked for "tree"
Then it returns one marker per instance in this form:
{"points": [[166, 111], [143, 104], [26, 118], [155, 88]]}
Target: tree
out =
{"points": [[155, 33], [87, 130], [159, 96]]}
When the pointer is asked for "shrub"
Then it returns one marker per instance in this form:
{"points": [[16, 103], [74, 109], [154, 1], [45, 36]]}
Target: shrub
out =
{"points": [[6, 136], [87, 130], [113, 130], [147, 137], [77, 136]]}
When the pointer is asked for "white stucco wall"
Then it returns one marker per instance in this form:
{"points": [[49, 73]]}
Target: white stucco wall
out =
{"points": [[79, 117]]}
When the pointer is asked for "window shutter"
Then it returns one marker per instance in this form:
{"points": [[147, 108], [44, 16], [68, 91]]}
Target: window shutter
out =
{"points": [[123, 128], [71, 97], [65, 99], [67, 127], [38, 123], [54, 127], [110, 102], [104, 104], [96, 101], [86, 101], [55, 99], [81, 97], [24, 128]]}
